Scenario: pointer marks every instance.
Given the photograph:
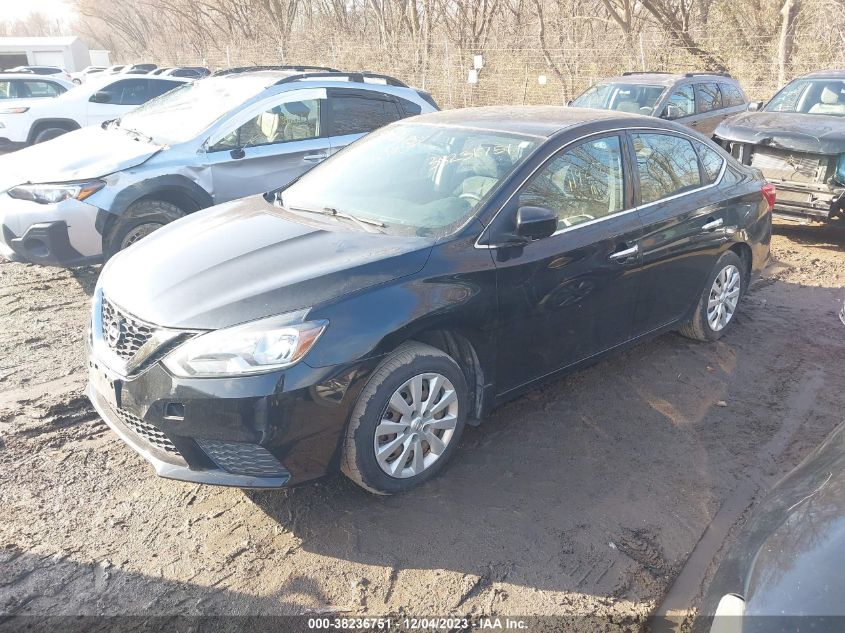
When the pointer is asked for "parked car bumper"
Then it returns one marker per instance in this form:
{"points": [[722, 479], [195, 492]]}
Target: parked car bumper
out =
{"points": [[62, 234], [263, 431], [809, 201]]}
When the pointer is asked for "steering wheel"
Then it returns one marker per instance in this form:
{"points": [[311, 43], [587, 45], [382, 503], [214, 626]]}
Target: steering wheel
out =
{"points": [[472, 198]]}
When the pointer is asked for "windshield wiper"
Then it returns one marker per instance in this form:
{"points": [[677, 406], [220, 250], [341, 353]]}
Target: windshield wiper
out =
{"points": [[364, 223], [137, 134]]}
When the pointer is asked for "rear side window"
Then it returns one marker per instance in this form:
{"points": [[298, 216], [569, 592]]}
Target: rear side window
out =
{"points": [[158, 88], [667, 166], [709, 97], [731, 95], [409, 107], [35, 88], [352, 114], [711, 162]]}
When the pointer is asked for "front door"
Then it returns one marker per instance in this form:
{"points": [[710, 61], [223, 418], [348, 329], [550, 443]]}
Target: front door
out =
{"points": [[569, 296], [269, 149]]}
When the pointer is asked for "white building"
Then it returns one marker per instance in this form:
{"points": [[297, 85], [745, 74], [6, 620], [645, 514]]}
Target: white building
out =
{"points": [[69, 53]]}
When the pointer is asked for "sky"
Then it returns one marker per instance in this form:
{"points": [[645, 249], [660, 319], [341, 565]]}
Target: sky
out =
{"points": [[17, 9]]}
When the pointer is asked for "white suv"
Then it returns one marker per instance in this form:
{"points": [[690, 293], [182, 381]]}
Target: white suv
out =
{"points": [[98, 100]]}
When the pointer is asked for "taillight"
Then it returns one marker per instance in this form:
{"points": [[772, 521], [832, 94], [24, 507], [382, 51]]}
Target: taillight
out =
{"points": [[770, 194]]}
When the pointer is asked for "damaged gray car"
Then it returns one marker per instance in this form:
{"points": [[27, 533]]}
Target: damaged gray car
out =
{"points": [[88, 194], [798, 141]]}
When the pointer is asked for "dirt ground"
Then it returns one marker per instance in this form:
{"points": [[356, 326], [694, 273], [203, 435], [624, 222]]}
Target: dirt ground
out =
{"points": [[585, 496]]}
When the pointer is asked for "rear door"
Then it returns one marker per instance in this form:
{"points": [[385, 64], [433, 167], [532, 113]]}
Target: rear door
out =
{"points": [[685, 223], [268, 144], [569, 296], [733, 100], [354, 113]]}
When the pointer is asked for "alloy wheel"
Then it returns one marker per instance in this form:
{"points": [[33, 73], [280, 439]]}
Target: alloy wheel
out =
{"points": [[139, 232], [724, 297], [417, 425]]}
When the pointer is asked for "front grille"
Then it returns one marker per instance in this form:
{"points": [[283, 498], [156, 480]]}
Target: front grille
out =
{"points": [[149, 433], [239, 458], [124, 334], [790, 166]]}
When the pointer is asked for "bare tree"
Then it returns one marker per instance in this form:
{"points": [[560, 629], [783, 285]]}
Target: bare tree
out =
{"points": [[789, 16]]}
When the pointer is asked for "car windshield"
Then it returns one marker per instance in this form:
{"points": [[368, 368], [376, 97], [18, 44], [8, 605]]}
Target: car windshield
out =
{"points": [[636, 98], [810, 96], [183, 113], [414, 179]]}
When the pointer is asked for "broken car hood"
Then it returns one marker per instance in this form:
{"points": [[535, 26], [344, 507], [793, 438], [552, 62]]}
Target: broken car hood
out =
{"points": [[813, 133], [247, 259], [90, 152]]}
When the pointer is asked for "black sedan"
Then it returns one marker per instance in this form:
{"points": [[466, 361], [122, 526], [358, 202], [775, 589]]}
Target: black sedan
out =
{"points": [[358, 318]]}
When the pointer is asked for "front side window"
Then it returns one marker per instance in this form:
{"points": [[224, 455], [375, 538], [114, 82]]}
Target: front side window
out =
{"points": [[684, 99], [127, 92], [294, 121], [709, 97], [667, 166], [581, 184], [414, 179], [819, 96], [352, 114]]}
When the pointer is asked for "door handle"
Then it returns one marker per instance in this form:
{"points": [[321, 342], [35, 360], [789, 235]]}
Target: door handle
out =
{"points": [[316, 157], [624, 254], [713, 224]]}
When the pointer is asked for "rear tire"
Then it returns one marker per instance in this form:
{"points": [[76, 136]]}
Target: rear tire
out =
{"points": [[716, 309], [138, 221], [48, 134], [407, 420]]}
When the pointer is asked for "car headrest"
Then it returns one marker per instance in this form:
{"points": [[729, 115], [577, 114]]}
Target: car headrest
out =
{"points": [[830, 93], [297, 108]]}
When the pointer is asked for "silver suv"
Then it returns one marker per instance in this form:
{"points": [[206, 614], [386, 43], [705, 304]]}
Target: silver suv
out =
{"points": [[698, 100], [85, 195]]}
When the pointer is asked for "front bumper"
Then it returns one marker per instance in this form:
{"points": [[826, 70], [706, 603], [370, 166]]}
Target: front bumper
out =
{"points": [[62, 234], [808, 201], [264, 431]]}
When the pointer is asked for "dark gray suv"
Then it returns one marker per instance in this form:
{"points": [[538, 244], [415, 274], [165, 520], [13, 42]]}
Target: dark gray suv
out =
{"points": [[698, 100]]}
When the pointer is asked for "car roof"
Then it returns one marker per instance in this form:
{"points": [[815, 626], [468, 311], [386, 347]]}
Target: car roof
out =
{"points": [[665, 79], [541, 121], [32, 76], [835, 73]]}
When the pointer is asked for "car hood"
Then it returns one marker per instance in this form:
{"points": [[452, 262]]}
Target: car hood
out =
{"points": [[786, 130], [90, 152], [247, 259]]}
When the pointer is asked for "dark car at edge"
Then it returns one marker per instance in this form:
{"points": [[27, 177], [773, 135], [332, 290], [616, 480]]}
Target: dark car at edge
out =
{"points": [[358, 318], [798, 141]]}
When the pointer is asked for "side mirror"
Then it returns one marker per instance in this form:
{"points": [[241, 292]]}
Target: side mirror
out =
{"points": [[673, 112], [754, 106], [100, 97], [535, 223], [569, 103]]}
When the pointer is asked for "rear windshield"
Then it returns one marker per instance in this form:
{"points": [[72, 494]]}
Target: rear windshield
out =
{"points": [[634, 98], [810, 96]]}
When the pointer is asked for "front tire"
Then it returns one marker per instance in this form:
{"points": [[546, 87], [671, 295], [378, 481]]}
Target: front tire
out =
{"points": [[407, 420], [48, 134], [138, 221], [716, 309]]}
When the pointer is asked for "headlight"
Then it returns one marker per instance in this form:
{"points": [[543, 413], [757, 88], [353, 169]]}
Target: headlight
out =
{"points": [[51, 194], [13, 110], [252, 348]]}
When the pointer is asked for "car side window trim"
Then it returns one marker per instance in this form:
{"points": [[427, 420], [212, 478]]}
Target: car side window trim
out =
{"points": [[628, 166]]}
